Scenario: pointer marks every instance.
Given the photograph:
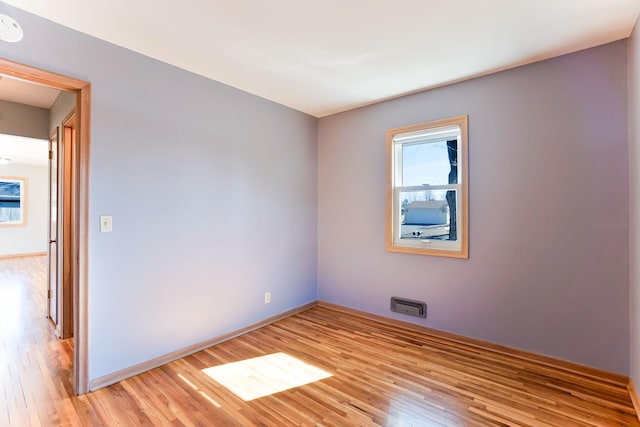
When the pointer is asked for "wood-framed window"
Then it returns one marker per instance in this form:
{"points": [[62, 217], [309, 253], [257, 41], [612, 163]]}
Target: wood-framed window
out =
{"points": [[13, 201], [427, 188]]}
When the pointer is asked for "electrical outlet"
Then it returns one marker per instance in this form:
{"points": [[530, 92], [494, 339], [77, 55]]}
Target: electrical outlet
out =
{"points": [[267, 297]]}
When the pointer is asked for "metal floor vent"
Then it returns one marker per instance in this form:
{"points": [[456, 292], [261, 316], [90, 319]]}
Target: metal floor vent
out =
{"points": [[409, 306]]}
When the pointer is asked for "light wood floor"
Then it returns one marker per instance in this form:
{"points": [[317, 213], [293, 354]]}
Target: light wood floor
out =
{"points": [[380, 375]]}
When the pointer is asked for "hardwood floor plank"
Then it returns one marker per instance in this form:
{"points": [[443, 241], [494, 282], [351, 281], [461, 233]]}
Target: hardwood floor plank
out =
{"points": [[381, 374]]}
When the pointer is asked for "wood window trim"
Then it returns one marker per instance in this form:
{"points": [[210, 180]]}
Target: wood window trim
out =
{"points": [[463, 253]]}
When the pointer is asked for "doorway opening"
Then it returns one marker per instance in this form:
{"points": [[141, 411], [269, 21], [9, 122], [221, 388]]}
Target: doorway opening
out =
{"points": [[72, 192]]}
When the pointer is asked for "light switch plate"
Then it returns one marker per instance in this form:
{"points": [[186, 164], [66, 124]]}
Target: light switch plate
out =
{"points": [[106, 224]]}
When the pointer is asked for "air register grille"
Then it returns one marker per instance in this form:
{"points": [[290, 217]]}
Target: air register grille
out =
{"points": [[409, 307]]}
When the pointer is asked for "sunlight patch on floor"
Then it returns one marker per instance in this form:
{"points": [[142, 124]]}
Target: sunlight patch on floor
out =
{"points": [[265, 375]]}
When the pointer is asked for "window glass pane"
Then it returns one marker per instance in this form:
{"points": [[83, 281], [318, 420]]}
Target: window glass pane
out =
{"points": [[9, 214], [428, 214], [430, 162], [427, 202], [10, 201]]}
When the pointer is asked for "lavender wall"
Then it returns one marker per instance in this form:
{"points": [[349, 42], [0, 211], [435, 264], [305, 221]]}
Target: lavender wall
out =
{"points": [[548, 267], [212, 192], [634, 202]]}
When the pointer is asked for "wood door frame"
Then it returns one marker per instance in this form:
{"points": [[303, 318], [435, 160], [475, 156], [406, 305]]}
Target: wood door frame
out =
{"points": [[54, 138], [69, 204], [79, 215]]}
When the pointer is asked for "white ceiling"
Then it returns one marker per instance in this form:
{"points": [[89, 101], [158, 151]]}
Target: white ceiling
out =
{"points": [[326, 56], [23, 151], [28, 93]]}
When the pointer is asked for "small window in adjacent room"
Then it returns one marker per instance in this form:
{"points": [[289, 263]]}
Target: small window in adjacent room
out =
{"points": [[13, 201], [427, 200]]}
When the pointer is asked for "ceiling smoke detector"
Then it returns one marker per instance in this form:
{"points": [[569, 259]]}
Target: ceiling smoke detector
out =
{"points": [[10, 30], [4, 161]]}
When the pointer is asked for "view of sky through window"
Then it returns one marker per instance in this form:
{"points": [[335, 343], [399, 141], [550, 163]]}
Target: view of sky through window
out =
{"points": [[425, 163]]}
